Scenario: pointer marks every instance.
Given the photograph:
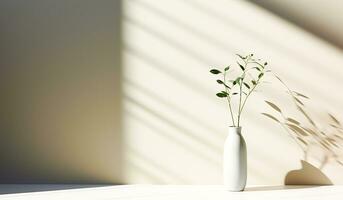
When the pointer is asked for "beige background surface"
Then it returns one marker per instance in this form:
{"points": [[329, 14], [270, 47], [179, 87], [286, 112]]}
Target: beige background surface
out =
{"points": [[62, 83], [60, 91]]}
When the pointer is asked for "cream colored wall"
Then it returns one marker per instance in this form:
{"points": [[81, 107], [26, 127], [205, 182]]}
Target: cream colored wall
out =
{"points": [[317, 16], [60, 91], [174, 126]]}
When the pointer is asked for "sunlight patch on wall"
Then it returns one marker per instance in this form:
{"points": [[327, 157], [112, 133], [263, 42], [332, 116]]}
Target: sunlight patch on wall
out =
{"points": [[175, 127]]}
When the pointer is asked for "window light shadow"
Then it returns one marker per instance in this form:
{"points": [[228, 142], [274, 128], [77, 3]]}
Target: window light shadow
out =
{"points": [[184, 26], [152, 62], [300, 58], [170, 137], [172, 175], [211, 147], [200, 58], [181, 111], [163, 37], [305, 25]]}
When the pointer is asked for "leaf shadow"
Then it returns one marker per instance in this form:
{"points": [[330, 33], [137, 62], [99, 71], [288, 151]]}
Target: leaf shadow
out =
{"points": [[308, 135]]}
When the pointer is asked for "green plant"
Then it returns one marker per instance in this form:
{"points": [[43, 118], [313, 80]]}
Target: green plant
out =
{"points": [[242, 85]]}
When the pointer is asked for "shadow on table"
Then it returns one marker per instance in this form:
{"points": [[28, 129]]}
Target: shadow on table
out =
{"points": [[280, 187], [24, 188], [307, 177]]}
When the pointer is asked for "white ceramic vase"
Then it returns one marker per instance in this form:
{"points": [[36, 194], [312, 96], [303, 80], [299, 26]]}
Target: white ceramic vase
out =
{"points": [[235, 161]]}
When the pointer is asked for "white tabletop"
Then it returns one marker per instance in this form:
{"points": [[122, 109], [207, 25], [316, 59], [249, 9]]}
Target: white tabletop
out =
{"points": [[161, 192]]}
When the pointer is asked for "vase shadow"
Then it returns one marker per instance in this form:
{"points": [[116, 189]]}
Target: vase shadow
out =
{"points": [[307, 175]]}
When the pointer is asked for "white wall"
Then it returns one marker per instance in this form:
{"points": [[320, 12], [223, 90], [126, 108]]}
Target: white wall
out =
{"points": [[174, 126]]}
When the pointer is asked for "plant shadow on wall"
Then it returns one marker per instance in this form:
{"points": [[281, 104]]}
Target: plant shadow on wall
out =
{"points": [[322, 139]]}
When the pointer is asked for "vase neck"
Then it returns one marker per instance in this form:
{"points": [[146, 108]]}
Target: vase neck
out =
{"points": [[235, 129]]}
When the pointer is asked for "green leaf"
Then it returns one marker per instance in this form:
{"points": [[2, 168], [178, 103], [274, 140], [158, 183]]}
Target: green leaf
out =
{"points": [[258, 69], [234, 93], [241, 66], [215, 71], [253, 82], [265, 64], [227, 68], [220, 81], [271, 117], [246, 85], [237, 80], [224, 92], [260, 75], [273, 106], [221, 95], [241, 57]]}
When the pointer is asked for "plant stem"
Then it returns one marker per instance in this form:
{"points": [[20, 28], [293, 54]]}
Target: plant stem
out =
{"points": [[246, 98], [229, 101], [254, 62], [240, 102], [240, 93]]}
